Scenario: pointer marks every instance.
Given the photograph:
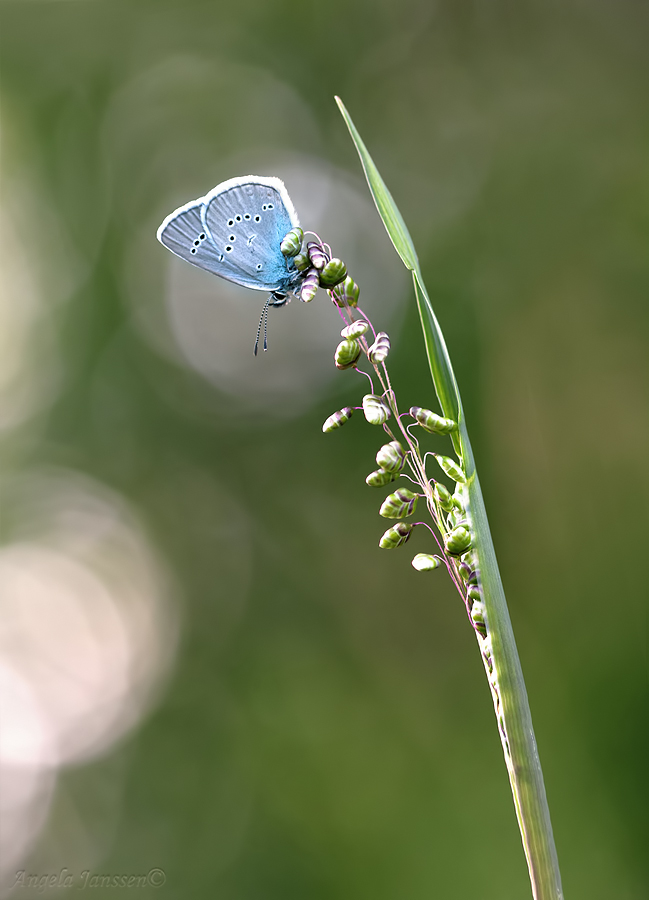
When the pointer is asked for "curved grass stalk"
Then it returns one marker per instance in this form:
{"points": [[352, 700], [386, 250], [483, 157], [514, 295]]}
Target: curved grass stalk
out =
{"points": [[498, 648]]}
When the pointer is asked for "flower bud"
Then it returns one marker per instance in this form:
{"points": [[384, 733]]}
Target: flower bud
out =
{"points": [[319, 258], [355, 330], [347, 353], [474, 592], [442, 496], [399, 505], [379, 350], [376, 409], [396, 536], [333, 273], [457, 541], [349, 291], [424, 562], [451, 468], [309, 286], [380, 478], [302, 261], [292, 243], [391, 457], [430, 421], [338, 419]]}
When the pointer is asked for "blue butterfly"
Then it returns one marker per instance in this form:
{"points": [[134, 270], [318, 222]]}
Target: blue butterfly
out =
{"points": [[235, 231]]}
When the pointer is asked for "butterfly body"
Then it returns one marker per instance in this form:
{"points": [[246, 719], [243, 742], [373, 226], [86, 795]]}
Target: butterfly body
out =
{"points": [[235, 231]]}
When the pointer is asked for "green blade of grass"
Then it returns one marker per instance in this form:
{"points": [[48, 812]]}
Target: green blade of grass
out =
{"points": [[513, 712], [392, 219], [439, 361]]}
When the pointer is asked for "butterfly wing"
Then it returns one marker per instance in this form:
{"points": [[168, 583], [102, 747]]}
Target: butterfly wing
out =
{"points": [[183, 233], [247, 219]]}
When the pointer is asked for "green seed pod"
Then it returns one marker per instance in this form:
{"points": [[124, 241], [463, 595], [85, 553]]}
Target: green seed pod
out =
{"points": [[349, 291], [379, 350], [424, 562], [477, 611], [477, 617], [376, 409], [391, 457], [442, 496], [467, 573], [355, 330], [457, 541], [333, 273], [309, 286], [396, 536], [461, 496], [319, 258], [455, 518], [302, 261], [451, 468], [292, 243], [347, 353], [430, 421], [474, 592], [380, 478], [399, 505], [338, 419]]}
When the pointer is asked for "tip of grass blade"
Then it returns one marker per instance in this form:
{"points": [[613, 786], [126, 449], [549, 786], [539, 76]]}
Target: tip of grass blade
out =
{"points": [[387, 208]]}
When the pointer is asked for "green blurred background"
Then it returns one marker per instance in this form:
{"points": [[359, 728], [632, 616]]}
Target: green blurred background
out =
{"points": [[209, 667]]}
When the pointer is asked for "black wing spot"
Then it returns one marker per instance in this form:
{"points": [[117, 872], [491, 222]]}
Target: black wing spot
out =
{"points": [[202, 236], [257, 218], [193, 250], [221, 257], [230, 223], [196, 243], [270, 206], [238, 218], [246, 216], [264, 207], [228, 248], [233, 237], [259, 267]]}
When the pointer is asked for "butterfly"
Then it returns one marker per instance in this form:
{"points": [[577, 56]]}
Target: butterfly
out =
{"points": [[235, 231]]}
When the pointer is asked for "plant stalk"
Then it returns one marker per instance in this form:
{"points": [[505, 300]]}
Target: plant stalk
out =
{"points": [[498, 649]]}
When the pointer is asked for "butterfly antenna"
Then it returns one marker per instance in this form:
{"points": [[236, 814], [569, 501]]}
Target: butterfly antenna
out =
{"points": [[264, 319]]}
